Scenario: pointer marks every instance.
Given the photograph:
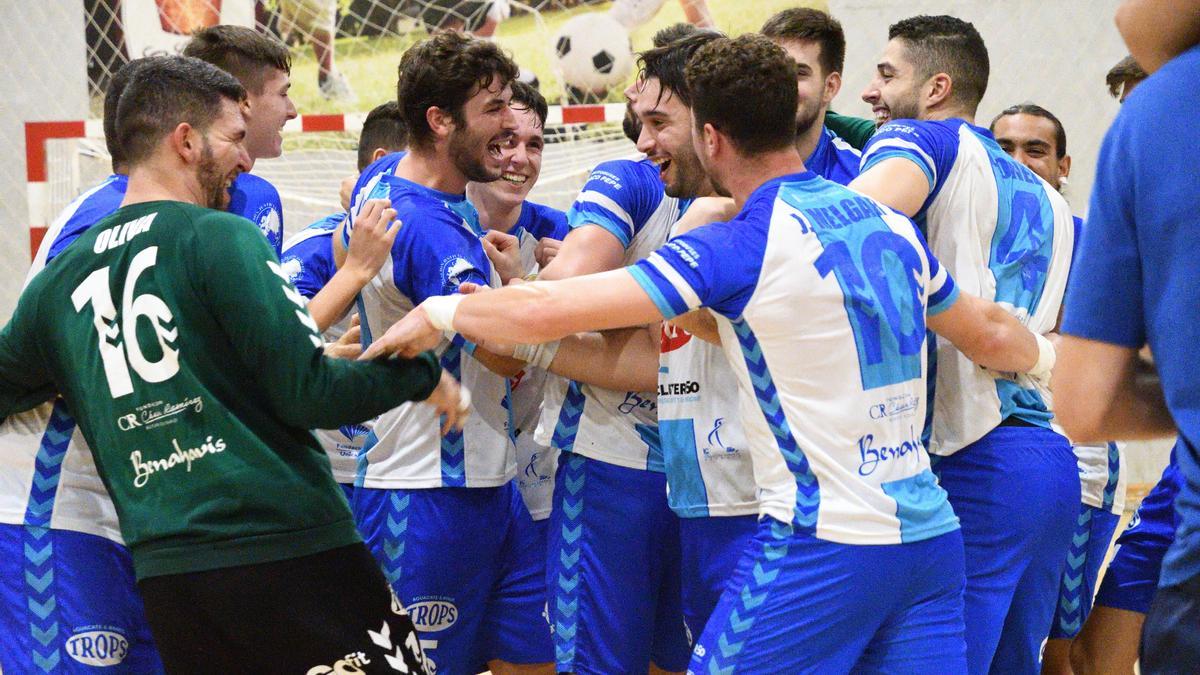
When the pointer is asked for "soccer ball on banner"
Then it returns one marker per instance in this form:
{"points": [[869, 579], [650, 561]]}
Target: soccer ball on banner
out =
{"points": [[592, 52]]}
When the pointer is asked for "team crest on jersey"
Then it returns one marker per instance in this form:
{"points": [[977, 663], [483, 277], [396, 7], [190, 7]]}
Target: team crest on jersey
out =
{"points": [[97, 646], [455, 270], [293, 268], [267, 219]]}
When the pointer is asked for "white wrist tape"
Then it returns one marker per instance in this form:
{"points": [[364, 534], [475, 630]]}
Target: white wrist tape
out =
{"points": [[1046, 358], [537, 355], [441, 308]]}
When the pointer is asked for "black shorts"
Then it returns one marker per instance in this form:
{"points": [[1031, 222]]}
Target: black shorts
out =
{"points": [[323, 613]]}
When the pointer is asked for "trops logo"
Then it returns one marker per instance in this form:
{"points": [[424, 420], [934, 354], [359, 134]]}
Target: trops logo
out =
{"points": [[97, 647], [434, 614]]}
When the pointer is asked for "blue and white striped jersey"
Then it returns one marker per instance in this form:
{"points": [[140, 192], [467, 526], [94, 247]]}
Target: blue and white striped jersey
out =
{"points": [[709, 472], [368, 178], [537, 460], [1006, 235], [626, 199], [436, 250], [821, 296], [308, 261]]}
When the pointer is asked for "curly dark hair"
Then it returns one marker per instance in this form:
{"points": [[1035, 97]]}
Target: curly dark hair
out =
{"points": [[726, 74], [525, 96], [666, 63], [445, 71], [242, 52], [947, 44], [166, 92], [804, 24]]}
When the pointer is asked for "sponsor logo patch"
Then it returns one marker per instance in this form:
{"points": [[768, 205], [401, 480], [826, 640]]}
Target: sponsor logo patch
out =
{"points": [[97, 647], [433, 615]]}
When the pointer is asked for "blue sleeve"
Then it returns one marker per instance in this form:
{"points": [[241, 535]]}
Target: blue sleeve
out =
{"points": [[929, 145], [256, 200], [1104, 293], [550, 222], [309, 263], [94, 208], [619, 196], [434, 253], [716, 266]]}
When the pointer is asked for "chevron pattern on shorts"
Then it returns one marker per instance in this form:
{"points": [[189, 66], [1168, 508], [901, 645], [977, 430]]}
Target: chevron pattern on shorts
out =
{"points": [[1114, 476], [1072, 588], [564, 561], [808, 492], [568, 419], [395, 536], [454, 461], [722, 657], [39, 549]]}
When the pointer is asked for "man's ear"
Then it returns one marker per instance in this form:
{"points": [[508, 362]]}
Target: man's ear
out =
{"points": [[1064, 166], [185, 140], [938, 90], [440, 121], [379, 153], [833, 84]]}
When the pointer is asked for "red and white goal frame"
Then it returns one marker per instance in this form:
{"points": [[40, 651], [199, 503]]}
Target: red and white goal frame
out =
{"points": [[38, 135]]}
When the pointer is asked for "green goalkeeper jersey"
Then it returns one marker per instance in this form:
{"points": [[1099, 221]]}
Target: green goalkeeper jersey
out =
{"points": [[194, 371]]}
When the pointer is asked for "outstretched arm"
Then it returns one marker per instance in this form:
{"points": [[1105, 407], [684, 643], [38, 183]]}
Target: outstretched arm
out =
{"points": [[523, 314]]}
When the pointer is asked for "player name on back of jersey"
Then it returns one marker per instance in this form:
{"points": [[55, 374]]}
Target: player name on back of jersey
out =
{"points": [[842, 214], [119, 235]]}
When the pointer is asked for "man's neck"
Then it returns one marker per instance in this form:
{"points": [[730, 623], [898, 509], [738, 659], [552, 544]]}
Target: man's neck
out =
{"points": [[433, 169], [494, 214], [750, 172], [150, 182], [807, 141], [939, 114]]}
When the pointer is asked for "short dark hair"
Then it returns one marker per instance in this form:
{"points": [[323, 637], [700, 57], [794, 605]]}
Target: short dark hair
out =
{"points": [[242, 52], [725, 74], [167, 92], [1060, 134], [947, 44], [1127, 70], [804, 24], [673, 33], [383, 128], [666, 64], [444, 71], [112, 99], [526, 97]]}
